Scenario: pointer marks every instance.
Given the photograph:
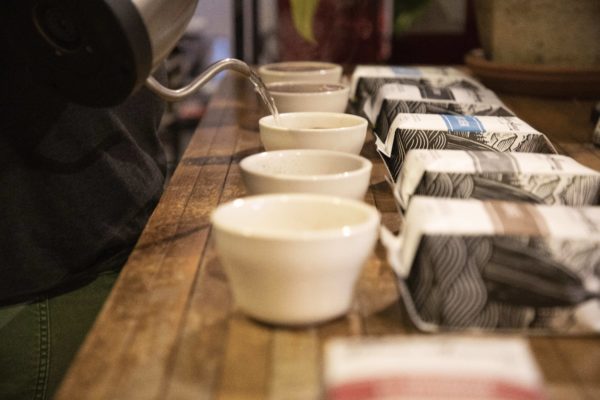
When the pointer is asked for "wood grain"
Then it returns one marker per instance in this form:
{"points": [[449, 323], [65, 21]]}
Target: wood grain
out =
{"points": [[170, 328]]}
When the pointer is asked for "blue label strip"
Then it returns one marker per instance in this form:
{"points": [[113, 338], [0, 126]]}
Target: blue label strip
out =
{"points": [[406, 71], [463, 123]]}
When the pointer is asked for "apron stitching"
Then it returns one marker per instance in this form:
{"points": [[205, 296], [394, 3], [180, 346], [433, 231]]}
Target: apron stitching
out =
{"points": [[44, 359]]}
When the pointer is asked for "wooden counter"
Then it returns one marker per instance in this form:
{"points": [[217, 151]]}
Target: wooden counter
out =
{"points": [[169, 329]]}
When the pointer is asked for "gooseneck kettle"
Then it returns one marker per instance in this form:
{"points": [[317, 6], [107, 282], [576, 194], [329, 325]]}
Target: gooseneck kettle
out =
{"points": [[98, 52]]}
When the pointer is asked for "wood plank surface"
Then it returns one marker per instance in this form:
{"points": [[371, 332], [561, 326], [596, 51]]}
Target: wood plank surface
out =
{"points": [[170, 329]]}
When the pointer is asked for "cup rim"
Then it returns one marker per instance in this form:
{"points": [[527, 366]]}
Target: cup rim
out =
{"points": [[371, 220], [355, 121], [326, 67], [366, 165], [272, 88]]}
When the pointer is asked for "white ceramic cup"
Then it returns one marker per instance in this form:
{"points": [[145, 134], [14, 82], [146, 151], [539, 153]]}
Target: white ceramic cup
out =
{"points": [[309, 96], [314, 130], [307, 171], [294, 259], [314, 71]]}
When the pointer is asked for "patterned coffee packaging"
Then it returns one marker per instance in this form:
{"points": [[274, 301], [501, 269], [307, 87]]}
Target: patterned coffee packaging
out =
{"points": [[367, 79], [486, 175], [497, 265], [396, 98], [435, 90], [454, 132]]}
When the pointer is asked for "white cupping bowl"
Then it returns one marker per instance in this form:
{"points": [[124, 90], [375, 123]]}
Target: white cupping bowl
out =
{"points": [[294, 259], [307, 171], [314, 130], [314, 71], [309, 96]]}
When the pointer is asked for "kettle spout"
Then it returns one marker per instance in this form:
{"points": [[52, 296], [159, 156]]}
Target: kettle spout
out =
{"points": [[181, 93]]}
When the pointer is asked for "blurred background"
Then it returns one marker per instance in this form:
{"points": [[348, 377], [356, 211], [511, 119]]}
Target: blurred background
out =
{"points": [[343, 31], [350, 32]]}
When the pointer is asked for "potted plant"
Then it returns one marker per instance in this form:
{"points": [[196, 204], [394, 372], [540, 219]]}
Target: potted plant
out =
{"points": [[540, 32], [538, 47], [343, 31]]}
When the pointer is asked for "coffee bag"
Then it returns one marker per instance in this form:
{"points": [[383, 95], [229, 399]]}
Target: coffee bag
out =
{"points": [[457, 132], [496, 265], [486, 175]]}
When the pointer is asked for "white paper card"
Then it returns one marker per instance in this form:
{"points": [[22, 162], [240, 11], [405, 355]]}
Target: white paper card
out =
{"points": [[432, 367]]}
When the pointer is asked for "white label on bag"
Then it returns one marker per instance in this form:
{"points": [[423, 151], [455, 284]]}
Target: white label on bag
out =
{"points": [[444, 216], [526, 163], [470, 123]]}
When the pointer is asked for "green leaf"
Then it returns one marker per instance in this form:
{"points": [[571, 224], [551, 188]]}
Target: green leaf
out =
{"points": [[303, 13], [406, 12]]}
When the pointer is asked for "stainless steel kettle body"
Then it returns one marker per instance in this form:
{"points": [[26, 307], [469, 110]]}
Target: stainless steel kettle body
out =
{"points": [[165, 22], [98, 52]]}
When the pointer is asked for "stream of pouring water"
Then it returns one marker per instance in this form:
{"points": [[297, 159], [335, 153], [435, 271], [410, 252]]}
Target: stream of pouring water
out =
{"points": [[264, 94], [222, 65]]}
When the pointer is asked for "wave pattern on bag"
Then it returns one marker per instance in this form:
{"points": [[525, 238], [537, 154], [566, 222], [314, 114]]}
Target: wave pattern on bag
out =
{"points": [[582, 190], [506, 282], [574, 191]]}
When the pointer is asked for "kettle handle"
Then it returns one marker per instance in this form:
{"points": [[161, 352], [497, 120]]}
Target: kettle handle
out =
{"points": [[181, 93]]}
